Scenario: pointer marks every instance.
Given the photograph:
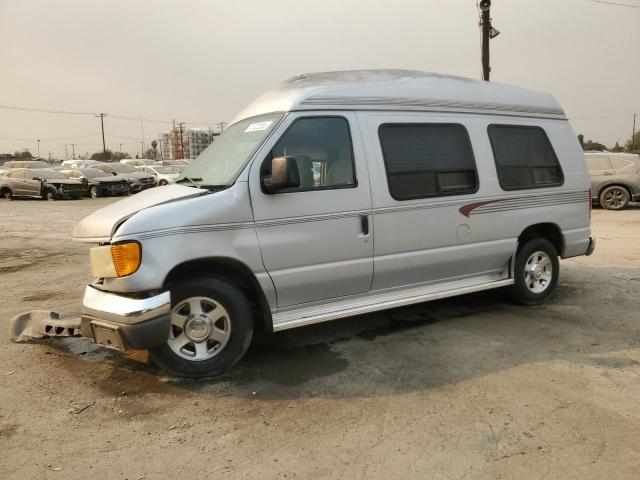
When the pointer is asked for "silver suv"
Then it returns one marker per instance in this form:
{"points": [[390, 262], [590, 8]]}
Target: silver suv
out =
{"points": [[615, 178]]}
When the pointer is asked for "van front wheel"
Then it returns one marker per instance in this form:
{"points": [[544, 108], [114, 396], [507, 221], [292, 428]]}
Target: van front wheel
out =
{"points": [[535, 272], [211, 328]]}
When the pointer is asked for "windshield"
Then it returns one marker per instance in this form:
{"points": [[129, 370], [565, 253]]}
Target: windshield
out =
{"points": [[49, 174], [164, 170], [222, 160], [122, 168], [92, 172], [35, 164]]}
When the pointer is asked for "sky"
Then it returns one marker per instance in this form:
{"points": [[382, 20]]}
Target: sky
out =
{"points": [[202, 61]]}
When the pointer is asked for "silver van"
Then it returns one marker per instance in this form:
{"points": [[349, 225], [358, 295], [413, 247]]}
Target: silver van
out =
{"points": [[338, 194], [615, 178]]}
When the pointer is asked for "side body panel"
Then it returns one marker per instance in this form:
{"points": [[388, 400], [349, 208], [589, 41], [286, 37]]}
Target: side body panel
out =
{"points": [[312, 242], [218, 225], [446, 238]]}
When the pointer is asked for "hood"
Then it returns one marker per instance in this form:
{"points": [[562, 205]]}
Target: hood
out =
{"points": [[109, 179], [63, 181], [138, 175], [101, 225]]}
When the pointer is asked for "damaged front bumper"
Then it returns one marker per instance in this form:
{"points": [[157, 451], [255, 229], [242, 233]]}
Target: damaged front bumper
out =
{"points": [[125, 323]]}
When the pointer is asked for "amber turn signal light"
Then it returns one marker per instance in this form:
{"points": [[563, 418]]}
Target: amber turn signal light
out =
{"points": [[126, 258]]}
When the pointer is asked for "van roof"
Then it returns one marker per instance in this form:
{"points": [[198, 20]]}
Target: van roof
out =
{"points": [[408, 90]]}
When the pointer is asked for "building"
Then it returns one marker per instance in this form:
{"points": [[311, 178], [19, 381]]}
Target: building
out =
{"points": [[185, 142]]}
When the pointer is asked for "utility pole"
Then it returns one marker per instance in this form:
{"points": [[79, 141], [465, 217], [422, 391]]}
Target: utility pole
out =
{"points": [[181, 140], [73, 150], [142, 131], [104, 145], [66, 152], [38, 148], [633, 135], [488, 33]]}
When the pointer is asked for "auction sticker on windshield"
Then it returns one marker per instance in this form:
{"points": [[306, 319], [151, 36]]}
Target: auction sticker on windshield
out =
{"points": [[256, 127]]}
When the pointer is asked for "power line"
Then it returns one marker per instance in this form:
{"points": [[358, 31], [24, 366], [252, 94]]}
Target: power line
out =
{"points": [[111, 115], [614, 4], [603, 116]]}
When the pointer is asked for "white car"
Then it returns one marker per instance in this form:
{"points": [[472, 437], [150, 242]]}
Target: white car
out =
{"points": [[163, 175]]}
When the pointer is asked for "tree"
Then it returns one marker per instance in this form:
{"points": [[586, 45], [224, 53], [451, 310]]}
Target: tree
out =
{"points": [[117, 156], [105, 156], [631, 146], [591, 145], [617, 148], [24, 155], [150, 153]]}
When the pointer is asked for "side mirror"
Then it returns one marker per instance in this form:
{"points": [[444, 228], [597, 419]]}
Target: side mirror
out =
{"points": [[284, 174], [35, 178]]}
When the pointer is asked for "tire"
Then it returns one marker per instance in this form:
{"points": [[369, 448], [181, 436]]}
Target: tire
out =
{"points": [[614, 197], [163, 182], [226, 335], [7, 194], [536, 272], [93, 192]]}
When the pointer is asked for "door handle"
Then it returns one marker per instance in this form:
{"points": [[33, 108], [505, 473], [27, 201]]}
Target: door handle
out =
{"points": [[608, 173], [364, 223]]}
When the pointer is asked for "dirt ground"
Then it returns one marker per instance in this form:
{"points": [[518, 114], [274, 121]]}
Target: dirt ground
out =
{"points": [[470, 387]]}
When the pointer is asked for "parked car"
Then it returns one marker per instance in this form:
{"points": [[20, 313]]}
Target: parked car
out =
{"points": [[137, 162], [615, 178], [138, 181], [183, 162], [427, 186], [79, 163], [26, 164], [97, 183], [39, 183], [163, 175]]}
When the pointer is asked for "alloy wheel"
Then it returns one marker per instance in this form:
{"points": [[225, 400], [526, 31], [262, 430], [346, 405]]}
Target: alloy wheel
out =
{"points": [[538, 272], [200, 328]]}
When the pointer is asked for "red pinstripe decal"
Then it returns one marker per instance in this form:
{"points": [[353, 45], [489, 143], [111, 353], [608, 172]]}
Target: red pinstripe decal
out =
{"points": [[467, 209]]}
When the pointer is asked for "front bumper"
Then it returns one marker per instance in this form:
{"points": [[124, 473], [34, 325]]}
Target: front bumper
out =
{"points": [[125, 323]]}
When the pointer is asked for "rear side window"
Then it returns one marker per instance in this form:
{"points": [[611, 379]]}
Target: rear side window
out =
{"points": [[598, 163], [428, 160], [619, 163], [524, 157]]}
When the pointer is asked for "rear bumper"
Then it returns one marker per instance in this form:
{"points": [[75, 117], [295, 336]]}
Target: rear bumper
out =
{"points": [[125, 323]]}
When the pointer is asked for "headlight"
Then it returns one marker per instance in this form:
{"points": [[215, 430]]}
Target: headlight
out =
{"points": [[118, 260]]}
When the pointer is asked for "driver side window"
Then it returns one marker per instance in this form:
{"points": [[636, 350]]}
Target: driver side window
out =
{"points": [[322, 149]]}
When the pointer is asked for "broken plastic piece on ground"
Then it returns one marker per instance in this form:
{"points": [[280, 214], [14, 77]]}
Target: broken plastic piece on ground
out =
{"points": [[42, 324]]}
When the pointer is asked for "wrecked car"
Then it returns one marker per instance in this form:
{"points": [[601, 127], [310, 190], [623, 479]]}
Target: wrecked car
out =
{"points": [[97, 183], [39, 183]]}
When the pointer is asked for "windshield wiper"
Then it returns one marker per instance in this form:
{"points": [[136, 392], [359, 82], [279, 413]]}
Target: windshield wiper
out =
{"points": [[192, 180], [214, 188]]}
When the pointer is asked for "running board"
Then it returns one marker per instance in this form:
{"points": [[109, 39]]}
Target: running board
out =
{"points": [[380, 301]]}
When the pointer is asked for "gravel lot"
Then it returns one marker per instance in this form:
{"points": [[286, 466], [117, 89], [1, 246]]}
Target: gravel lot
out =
{"points": [[470, 387]]}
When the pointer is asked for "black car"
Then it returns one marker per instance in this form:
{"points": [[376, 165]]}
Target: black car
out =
{"points": [[138, 181], [97, 183]]}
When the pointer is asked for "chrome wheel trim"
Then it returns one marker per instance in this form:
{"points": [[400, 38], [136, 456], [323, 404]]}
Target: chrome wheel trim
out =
{"points": [[94, 192], [615, 198], [200, 328], [538, 272], [49, 195]]}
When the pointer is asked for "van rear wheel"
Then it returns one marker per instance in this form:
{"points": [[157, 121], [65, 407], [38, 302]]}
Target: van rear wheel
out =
{"points": [[211, 328], [536, 272]]}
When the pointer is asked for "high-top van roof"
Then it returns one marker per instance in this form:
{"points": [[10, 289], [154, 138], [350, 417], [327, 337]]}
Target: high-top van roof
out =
{"points": [[407, 90]]}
